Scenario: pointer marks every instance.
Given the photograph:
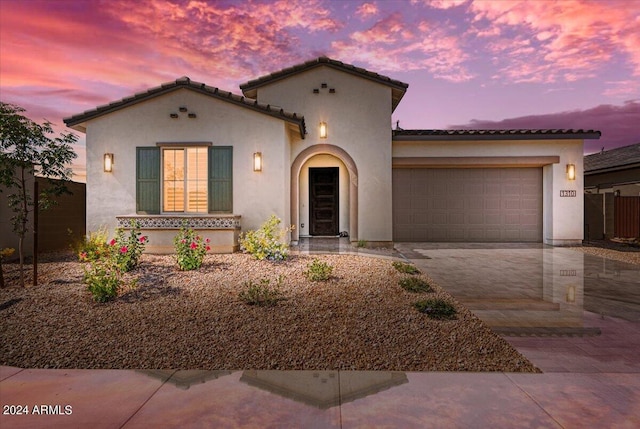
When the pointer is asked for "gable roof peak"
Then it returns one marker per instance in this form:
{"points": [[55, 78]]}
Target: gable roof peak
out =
{"points": [[78, 122], [399, 88]]}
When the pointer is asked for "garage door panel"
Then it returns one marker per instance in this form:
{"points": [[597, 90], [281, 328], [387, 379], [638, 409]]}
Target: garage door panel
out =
{"points": [[493, 204]]}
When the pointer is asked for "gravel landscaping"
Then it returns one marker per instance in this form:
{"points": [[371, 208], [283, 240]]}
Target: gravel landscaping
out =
{"points": [[360, 319], [627, 254]]}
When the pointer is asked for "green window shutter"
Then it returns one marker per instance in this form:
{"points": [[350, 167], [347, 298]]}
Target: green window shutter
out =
{"points": [[220, 179], [148, 180]]}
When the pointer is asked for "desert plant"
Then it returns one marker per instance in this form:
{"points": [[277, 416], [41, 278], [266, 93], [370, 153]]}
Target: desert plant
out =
{"points": [[262, 294], [190, 249], [94, 246], [126, 251], [103, 279], [436, 308], [415, 284], [405, 268], [266, 242], [318, 271], [362, 243]]}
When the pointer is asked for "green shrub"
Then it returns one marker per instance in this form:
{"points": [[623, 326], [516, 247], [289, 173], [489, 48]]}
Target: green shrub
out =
{"points": [[266, 242], [415, 284], [103, 280], [190, 249], [318, 271], [362, 243], [126, 251], [405, 268], [262, 293], [94, 246], [436, 308]]}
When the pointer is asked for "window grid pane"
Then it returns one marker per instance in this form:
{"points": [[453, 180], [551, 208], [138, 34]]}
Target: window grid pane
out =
{"points": [[185, 180]]}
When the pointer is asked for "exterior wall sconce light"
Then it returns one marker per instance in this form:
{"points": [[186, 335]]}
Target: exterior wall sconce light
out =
{"points": [[108, 162], [571, 171], [182, 109], [571, 294], [192, 115], [173, 115], [323, 130], [257, 161]]}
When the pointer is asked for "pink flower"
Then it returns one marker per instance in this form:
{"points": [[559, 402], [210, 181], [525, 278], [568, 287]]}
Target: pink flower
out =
{"points": [[112, 242], [208, 248], [143, 239], [207, 241], [183, 241], [193, 245], [83, 256], [197, 237], [123, 249]]}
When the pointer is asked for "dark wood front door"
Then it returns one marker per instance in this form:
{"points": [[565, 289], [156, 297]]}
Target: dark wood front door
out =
{"points": [[323, 201]]}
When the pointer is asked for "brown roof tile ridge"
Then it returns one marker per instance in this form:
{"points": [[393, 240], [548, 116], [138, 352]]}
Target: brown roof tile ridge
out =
{"points": [[318, 61]]}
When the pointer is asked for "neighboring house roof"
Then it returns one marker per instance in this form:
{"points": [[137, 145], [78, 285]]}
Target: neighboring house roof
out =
{"points": [[399, 88], [77, 121], [611, 160], [400, 134]]}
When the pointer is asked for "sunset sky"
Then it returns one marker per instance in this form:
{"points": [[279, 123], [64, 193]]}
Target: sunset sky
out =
{"points": [[469, 64]]}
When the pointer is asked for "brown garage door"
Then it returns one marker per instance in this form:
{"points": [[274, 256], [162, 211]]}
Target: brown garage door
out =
{"points": [[467, 204]]}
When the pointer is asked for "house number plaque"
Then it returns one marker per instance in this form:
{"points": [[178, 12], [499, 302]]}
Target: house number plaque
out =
{"points": [[567, 193]]}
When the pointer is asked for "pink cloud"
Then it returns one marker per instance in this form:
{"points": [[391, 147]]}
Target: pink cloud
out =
{"points": [[366, 10], [442, 4], [573, 39], [393, 44], [618, 124]]}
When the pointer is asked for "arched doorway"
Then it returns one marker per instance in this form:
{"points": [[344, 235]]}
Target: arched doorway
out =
{"points": [[305, 159]]}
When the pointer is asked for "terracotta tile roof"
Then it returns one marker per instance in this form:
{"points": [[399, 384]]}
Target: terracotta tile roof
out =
{"points": [[399, 88], [614, 159], [522, 134], [185, 82]]}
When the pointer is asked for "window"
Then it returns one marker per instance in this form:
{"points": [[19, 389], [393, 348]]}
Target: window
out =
{"points": [[184, 181], [176, 179]]}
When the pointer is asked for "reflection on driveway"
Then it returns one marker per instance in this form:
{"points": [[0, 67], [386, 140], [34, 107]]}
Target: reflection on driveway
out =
{"points": [[525, 289]]}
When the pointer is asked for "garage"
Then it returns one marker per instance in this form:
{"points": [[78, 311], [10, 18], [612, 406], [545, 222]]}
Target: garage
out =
{"points": [[467, 204]]}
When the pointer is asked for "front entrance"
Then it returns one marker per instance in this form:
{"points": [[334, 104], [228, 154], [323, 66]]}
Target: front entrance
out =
{"points": [[323, 201]]}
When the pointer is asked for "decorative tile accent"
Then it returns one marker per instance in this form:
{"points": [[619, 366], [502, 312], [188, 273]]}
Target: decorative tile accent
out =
{"points": [[171, 222]]}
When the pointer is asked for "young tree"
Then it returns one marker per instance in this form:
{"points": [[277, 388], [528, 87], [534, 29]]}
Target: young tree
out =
{"points": [[27, 150]]}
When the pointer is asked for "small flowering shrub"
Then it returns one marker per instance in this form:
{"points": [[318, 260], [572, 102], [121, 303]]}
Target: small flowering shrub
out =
{"points": [[318, 271], [262, 294], [266, 242], [94, 246], [108, 261], [126, 250], [190, 249], [103, 280]]}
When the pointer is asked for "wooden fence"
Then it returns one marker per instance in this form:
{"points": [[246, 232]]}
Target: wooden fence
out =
{"points": [[627, 217]]}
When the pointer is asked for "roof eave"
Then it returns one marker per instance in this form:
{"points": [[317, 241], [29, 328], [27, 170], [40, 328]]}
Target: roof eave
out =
{"points": [[495, 136]]}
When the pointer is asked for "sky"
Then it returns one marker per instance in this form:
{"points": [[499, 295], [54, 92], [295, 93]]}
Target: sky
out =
{"points": [[469, 64]]}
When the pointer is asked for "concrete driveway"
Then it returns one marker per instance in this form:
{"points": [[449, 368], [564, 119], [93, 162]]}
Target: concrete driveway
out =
{"points": [[564, 310]]}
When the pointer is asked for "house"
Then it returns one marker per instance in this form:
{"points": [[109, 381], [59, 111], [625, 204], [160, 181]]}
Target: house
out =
{"points": [[313, 144], [612, 193]]}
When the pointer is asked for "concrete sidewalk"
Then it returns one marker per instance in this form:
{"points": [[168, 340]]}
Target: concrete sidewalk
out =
{"points": [[318, 399]]}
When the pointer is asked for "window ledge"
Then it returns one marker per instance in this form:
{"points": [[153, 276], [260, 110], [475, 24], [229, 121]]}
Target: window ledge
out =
{"points": [[214, 221]]}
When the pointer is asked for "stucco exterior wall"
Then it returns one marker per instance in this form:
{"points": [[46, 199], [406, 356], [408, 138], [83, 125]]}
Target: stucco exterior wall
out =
{"points": [[256, 195], [563, 217], [358, 116]]}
